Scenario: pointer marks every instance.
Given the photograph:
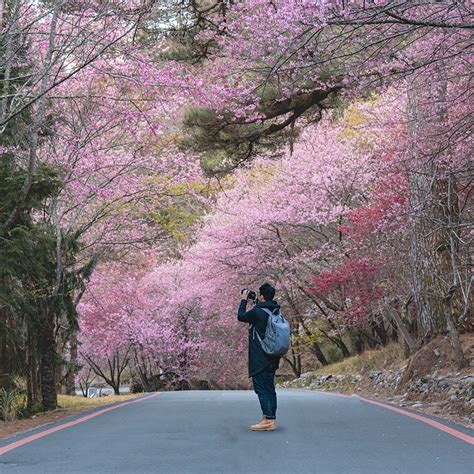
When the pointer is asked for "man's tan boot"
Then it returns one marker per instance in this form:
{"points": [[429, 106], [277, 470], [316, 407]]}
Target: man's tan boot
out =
{"points": [[264, 425]]}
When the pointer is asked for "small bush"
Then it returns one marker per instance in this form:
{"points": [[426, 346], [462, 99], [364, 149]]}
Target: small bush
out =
{"points": [[136, 387], [12, 404], [333, 354]]}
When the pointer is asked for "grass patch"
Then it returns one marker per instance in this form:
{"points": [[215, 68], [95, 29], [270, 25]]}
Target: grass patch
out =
{"points": [[71, 402], [68, 405], [391, 356]]}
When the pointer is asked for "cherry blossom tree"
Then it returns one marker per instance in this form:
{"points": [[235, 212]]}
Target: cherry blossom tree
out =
{"points": [[162, 162], [314, 56]]}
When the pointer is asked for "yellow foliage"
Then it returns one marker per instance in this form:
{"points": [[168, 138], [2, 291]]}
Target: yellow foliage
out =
{"points": [[71, 402], [355, 119], [261, 175], [174, 220]]}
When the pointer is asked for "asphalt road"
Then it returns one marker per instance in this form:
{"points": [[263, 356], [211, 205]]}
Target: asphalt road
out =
{"points": [[207, 432]]}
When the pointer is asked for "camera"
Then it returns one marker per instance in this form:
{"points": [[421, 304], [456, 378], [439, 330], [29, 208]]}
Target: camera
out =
{"points": [[251, 294]]}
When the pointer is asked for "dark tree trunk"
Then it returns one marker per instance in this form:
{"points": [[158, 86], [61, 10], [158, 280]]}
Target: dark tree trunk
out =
{"points": [[47, 349], [314, 347], [294, 360], [72, 366], [33, 395], [115, 373], [316, 350], [143, 369], [337, 339], [342, 346], [378, 330], [370, 341], [116, 368], [453, 334], [359, 345], [5, 353], [408, 340]]}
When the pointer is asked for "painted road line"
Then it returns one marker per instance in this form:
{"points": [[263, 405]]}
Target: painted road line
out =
{"points": [[34, 437], [457, 434], [323, 392]]}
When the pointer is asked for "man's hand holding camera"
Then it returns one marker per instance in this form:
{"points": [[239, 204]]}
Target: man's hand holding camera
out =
{"points": [[248, 295]]}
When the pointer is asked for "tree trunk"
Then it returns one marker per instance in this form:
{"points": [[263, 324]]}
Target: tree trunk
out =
{"points": [[359, 345], [316, 350], [410, 342], [314, 346], [341, 344], [294, 362], [337, 339], [47, 360], [461, 361], [33, 134], [5, 359], [378, 329], [72, 366], [8, 57], [33, 395], [429, 193], [116, 368], [425, 231]]}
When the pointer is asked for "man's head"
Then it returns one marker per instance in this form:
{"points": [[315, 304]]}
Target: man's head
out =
{"points": [[266, 292]]}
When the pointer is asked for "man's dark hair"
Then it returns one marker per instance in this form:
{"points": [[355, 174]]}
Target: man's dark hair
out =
{"points": [[267, 291]]}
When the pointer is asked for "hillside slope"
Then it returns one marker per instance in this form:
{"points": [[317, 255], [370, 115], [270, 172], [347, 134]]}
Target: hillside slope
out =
{"points": [[428, 381]]}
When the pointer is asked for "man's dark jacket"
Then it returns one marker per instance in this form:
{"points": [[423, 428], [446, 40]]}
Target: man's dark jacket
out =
{"points": [[258, 360]]}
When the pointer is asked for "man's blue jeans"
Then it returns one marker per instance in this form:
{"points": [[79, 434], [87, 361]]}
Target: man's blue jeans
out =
{"points": [[264, 386]]}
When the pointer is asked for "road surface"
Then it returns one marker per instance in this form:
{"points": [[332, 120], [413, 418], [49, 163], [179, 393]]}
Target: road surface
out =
{"points": [[207, 432]]}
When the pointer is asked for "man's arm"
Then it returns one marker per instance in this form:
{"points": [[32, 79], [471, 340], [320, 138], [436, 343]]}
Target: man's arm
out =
{"points": [[244, 315]]}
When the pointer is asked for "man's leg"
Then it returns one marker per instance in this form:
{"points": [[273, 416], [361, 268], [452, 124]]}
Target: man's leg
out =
{"points": [[263, 383], [260, 386], [270, 390], [273, 395]]}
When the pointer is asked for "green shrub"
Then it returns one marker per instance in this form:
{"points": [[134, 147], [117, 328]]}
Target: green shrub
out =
{"points": [[136, 387], [12, 404], [333, 354]]}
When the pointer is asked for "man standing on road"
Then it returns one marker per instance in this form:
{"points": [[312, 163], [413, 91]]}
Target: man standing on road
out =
{"points": [[262, 367]]}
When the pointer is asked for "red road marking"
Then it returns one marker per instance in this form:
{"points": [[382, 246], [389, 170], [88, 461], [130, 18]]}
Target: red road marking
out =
{"points": [[334, 394], [457, 434], [29, 439]]}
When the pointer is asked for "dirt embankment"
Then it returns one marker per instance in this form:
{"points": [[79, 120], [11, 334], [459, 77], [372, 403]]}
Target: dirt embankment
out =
{"points": [[428, 381]]}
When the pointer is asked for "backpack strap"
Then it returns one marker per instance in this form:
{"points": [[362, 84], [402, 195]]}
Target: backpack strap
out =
{"points": [[270, 313], [253, 325]]}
